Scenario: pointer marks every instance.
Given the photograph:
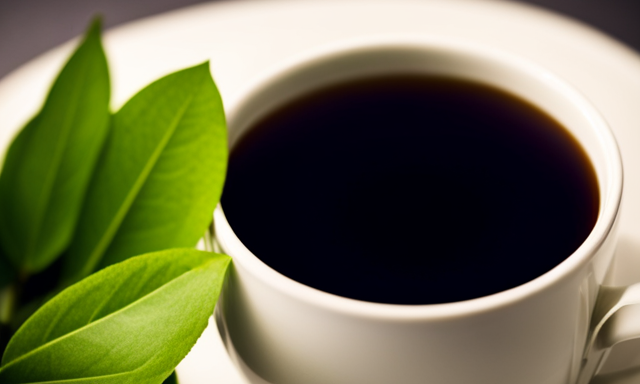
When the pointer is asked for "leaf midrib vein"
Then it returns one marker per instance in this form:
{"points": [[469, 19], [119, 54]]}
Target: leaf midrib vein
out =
{"points": [[114, 225]]}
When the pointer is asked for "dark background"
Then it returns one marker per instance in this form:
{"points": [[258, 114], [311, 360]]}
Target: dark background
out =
{"points": [[31, 27]]}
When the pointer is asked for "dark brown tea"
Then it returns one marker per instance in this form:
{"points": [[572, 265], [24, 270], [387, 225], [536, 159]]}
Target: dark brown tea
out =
{"points": [[410, 189]]}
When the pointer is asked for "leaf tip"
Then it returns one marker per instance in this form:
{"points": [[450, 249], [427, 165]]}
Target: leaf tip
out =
{"points": [[95, 27], [205, 66], [94, 31]]}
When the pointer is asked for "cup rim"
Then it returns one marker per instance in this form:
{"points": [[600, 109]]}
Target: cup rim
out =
{"points": [[609, 206]]}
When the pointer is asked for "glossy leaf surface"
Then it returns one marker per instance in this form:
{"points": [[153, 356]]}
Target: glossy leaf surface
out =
{"points": [[130, 323], [160, 175], [49, 164]]}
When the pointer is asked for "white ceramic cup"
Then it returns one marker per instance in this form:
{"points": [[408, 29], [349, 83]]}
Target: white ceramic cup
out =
{"points": [[555, 329]]}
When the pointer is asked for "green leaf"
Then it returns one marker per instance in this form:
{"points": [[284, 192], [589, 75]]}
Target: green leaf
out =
{"points": [[130, 323], [160, 176], [49, 164]]}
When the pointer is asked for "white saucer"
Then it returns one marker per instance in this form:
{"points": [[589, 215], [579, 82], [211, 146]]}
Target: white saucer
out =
{"points": [[244, 39]]}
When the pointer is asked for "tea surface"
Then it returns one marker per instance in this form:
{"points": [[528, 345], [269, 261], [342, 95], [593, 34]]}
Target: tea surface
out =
{"points": [[410, 189]]}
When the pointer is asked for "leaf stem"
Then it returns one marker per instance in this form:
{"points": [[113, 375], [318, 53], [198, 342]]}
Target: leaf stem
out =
{"points": [[7, 303], [8, 298]]}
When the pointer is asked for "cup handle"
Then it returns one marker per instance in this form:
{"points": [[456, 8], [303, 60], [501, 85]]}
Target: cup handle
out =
{"points": [[616, 318]]}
